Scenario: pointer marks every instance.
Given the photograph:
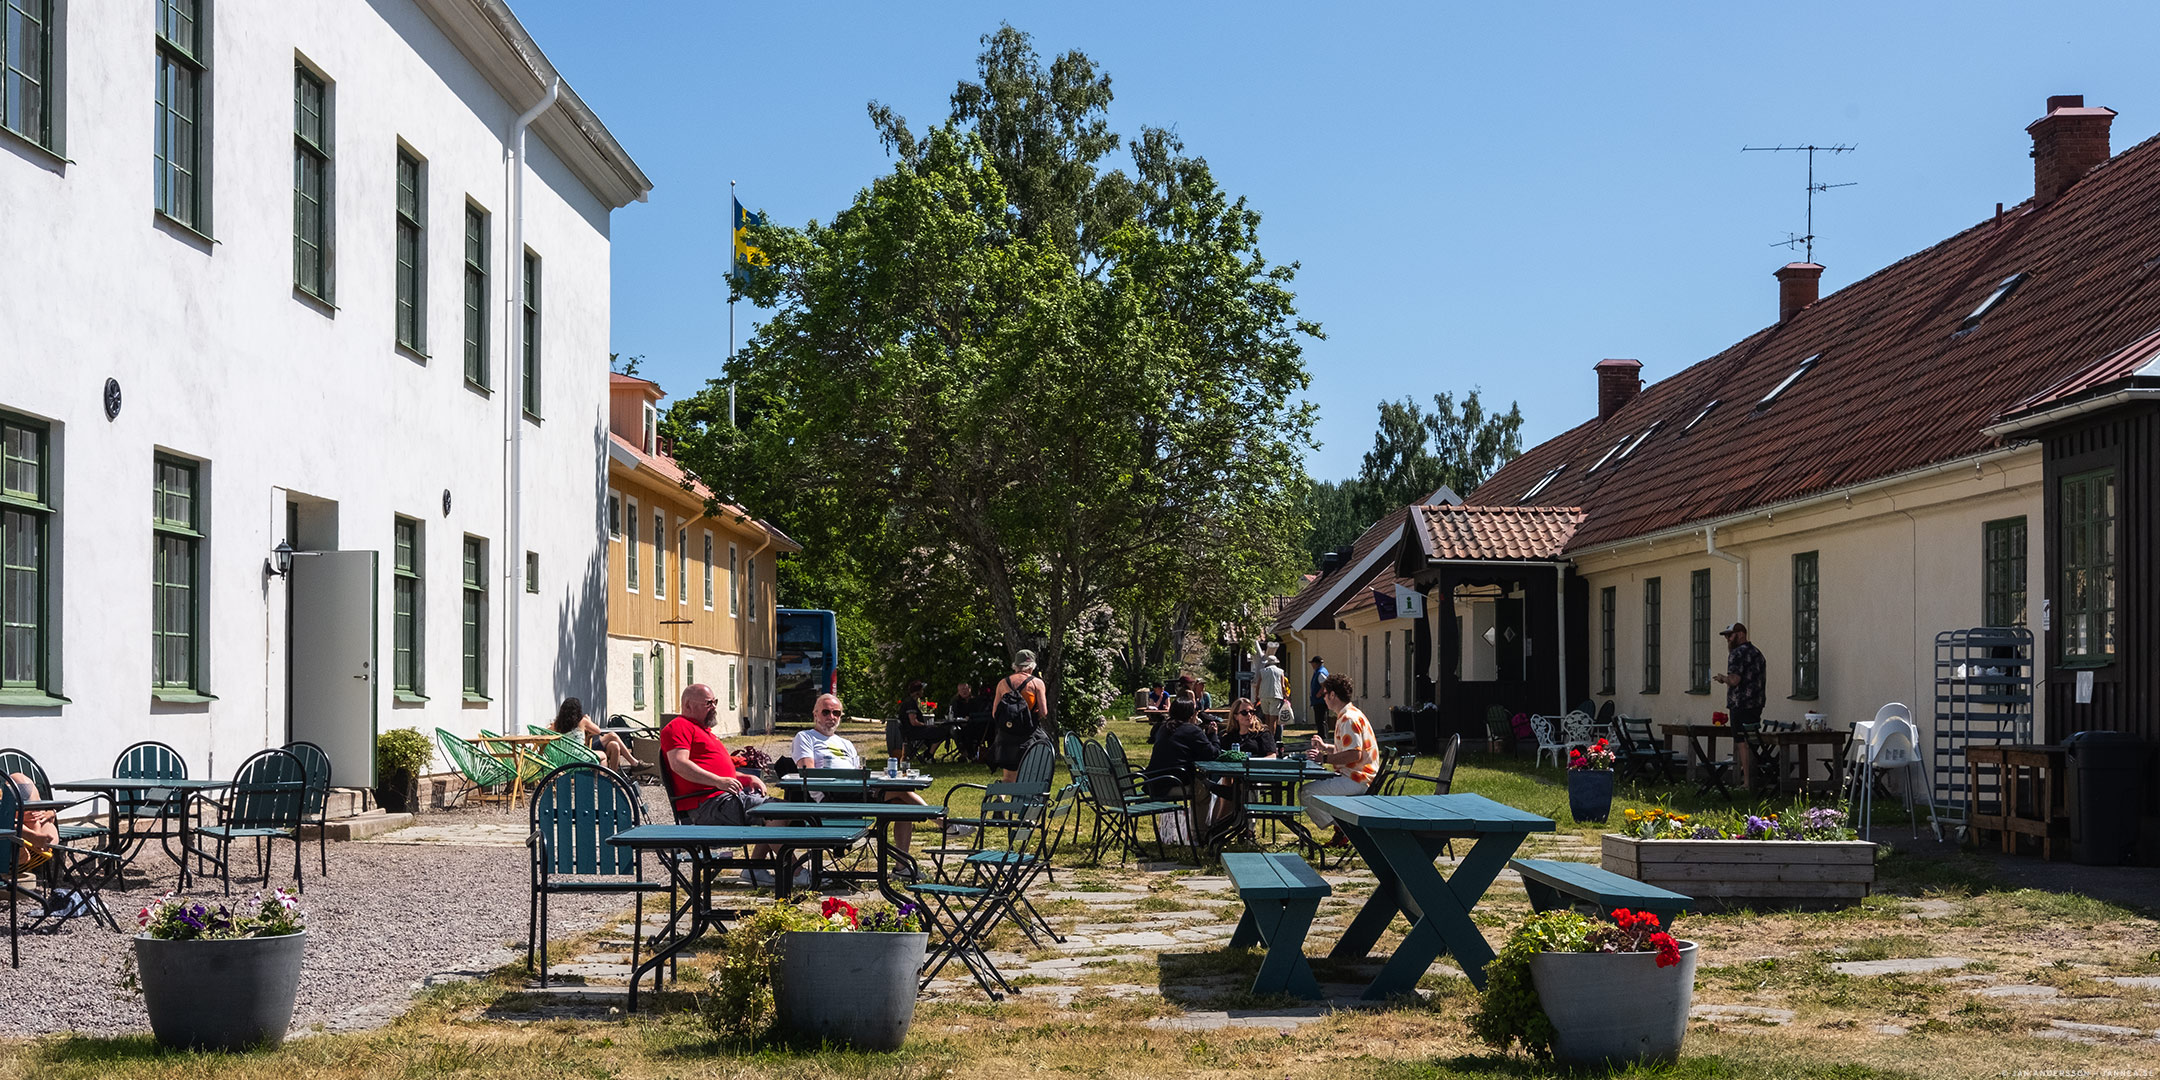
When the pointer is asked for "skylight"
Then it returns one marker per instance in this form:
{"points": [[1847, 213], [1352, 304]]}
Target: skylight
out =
{"points": [[1699, 417], [1639, 440], [1608, 455], [1540, 485], [2008, 286], [1787, 384]]}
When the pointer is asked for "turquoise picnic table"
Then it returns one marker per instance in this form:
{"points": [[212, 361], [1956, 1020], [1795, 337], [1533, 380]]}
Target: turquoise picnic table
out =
{"points": [[1400, 837]]}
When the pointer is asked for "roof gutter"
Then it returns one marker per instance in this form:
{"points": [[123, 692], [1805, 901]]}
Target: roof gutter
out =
{"points": [[2022, 424], [1680, 532]]}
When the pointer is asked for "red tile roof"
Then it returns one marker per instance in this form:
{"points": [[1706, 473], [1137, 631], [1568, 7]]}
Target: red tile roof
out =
{"points": [[1496, 532], [666, 468], [1896, 386]]}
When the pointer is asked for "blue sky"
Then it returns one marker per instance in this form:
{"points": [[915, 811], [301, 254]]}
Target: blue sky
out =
{"points": [[1480, 195]]}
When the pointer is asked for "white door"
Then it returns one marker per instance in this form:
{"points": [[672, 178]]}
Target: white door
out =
{"points": [[333, 661]]}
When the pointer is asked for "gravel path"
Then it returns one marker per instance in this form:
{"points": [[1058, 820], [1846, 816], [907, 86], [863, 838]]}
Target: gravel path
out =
{"points": [[388, 916]]}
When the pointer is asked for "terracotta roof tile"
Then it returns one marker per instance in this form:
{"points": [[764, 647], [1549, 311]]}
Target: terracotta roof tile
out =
{"points": [[1498, 532], [1897, 386], [666, 468]]}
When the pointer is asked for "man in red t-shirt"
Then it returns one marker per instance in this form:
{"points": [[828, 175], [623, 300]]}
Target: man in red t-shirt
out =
{"points": [[696, 756]]}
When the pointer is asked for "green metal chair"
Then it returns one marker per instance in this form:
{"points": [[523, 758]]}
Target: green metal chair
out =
{"points": [[17, 761], [1272, 797], [1122, 767], [475, 766], [266, 803], [575, 809], [1031, 861], [564, 748], [1116, 811], [316, 762]]}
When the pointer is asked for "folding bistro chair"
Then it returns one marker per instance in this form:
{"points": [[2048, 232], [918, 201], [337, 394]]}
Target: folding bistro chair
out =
{"points": [[1641, 751], [80, 870], [316, 810], [16, 761], [265, 803], [574, 810], [1271, 796], [162, 808], [479, 769], [1033, 861], [961, 917], [1004, 807], [1121, 815]]}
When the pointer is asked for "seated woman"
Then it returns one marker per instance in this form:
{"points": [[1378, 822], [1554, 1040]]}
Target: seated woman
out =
{"points": [[1172, 772], [38, 831], [1249, 731], [571, 718]]}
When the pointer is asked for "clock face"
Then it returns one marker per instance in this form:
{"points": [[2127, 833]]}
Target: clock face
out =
{"points": [[112, 399]]}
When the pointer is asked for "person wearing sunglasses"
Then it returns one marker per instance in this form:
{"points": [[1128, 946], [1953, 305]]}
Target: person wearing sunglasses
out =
{"points": [[1250, 731], [821, 746]]}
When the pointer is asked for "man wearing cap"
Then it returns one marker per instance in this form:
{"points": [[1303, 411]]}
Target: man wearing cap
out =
{"points": [[1019, 711], [1313, 696], [1743, 678], [1270, 687]]}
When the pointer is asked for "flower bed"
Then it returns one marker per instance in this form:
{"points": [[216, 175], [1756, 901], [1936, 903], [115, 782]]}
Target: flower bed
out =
{"points": [[1808, 859]]}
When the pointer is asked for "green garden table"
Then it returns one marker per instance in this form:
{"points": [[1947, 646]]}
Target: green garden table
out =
{"points": [[880, 783], [1399, 837], [880, 815]]}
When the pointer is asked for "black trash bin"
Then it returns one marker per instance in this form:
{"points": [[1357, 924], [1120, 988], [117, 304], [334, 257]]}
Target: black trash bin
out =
{"points": [[2105, 794], [1425, 729]]}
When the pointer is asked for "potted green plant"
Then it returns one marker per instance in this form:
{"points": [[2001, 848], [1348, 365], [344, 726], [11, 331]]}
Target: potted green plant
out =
{"points": [[1590, 781], [840, 975], [1585, 992], [219, 976], [400, 756]]}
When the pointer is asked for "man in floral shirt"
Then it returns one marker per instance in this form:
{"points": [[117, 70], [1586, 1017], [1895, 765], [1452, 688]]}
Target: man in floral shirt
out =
{"points": [[1743, 678], [1355, 753]]}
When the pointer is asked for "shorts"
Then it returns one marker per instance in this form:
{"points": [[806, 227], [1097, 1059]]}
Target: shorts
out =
{"points": [[1012, 745]]}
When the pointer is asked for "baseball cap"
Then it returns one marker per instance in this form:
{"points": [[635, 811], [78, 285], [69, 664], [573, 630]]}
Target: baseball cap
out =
{"points": [[1733, 628]]}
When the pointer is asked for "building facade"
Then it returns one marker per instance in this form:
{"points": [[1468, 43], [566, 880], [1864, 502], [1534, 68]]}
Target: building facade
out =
{"points": [[288, 274], [691, 594]]}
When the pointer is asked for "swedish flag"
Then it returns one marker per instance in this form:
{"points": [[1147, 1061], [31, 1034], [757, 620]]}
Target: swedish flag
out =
{"points": [[748, 258]]}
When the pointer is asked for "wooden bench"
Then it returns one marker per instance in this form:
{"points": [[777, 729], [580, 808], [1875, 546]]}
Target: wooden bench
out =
{"points": [[1281, 894], [1554, 884]]}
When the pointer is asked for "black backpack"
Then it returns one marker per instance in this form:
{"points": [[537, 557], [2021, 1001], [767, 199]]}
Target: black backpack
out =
{"points": [[1012, 712]]}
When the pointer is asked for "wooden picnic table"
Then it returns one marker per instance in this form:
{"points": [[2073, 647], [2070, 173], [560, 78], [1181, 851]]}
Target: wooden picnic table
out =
{"points": [[1399, 837], [1794, 759]]}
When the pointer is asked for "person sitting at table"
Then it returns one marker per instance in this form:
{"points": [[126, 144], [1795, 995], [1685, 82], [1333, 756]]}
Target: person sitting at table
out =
{"points": [[1159, 698], [708, 789], [1354, 753], [821, 746], [970, 731], [1172, 771], [571, 718], [36, 832], [1250, 731]]}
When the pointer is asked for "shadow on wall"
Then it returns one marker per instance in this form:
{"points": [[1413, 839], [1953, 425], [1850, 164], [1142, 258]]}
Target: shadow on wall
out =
{"points": [[581, 620]]}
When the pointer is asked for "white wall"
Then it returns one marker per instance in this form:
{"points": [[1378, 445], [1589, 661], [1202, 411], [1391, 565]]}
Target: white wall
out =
{"points": [[219, 359]]}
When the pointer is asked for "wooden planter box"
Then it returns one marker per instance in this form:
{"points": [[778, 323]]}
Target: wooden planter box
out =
{"points": [[1744, 873]]}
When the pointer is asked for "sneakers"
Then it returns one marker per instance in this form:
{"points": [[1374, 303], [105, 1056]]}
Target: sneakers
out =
{"points": [[957, 829], [758, 877], [1339, 839]]}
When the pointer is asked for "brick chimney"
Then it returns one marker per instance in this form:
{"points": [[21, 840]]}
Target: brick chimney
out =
{"points": [[1798, 285], [2067, 143], [1618, 381]]}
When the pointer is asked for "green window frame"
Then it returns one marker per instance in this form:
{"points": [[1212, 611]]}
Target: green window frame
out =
{"points": [[26, 517], [682, 567], [659, 554], [183, 136], [750, 585], [1807, 624], [1387, 664], [475, 617], [1608, 614], [314, 184], [734, 584], [614, 516], [637, 680], [2002, 572], [411, 225], [176, 574], [476, 297], [1653, 647], [532, 336], [29, 106], [408, 591], [2087, 509], [708, 571], [659, 679], [630, 549], [1699, 632], [532, 572], [734, 679]]}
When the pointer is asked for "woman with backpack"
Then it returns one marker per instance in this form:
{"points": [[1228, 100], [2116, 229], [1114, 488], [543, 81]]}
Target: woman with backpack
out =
{"points": [[1019, 708]]}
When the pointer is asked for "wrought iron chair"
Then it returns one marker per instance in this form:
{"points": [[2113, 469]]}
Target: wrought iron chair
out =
{"points": [[265, 803], [316, 812], [1547, 743], [479, 769], [574, 810]]}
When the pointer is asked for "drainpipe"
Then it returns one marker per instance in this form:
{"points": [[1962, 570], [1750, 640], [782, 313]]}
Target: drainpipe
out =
{"points": [[1739, 573], [742, 636], [513, 555], [1560, 630]]}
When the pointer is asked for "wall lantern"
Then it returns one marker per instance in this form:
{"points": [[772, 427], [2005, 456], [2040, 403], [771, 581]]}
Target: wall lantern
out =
{"points": [[279, 564]]}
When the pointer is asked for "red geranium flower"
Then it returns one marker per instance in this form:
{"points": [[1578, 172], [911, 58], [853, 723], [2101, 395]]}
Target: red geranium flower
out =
{"points": [[835, 904]]}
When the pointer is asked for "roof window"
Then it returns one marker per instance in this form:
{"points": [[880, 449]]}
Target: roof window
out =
{"points": [[1700, 417], [1541, 484], [1608, 455], [2008, 286], [1780, 388], [1639, 440]]}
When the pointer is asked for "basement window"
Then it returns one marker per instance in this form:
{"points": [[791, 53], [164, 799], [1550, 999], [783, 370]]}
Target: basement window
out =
{"points": [[1639, 440], [1699, 417], [1780, 388], [1608, 456], [2002, 292], [1540, 485]]}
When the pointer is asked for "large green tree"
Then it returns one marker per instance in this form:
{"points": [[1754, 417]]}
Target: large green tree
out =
{"points": [[1014, 387], [1414, 454]]}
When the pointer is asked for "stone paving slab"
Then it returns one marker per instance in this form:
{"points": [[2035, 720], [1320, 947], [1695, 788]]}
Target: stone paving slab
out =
{"points": [[1728, 1013], [1145, 939], [463, 831], [2141, 982], [1913, 966], [2018, 990]]}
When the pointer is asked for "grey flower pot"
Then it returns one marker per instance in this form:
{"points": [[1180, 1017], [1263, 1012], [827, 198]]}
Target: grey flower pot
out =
{"points": [[220, 995], [854, 988], [1615, 1007]]}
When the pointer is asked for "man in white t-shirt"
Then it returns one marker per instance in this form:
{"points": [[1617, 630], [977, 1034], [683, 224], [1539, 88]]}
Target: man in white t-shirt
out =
{"points": [[821, 746]]}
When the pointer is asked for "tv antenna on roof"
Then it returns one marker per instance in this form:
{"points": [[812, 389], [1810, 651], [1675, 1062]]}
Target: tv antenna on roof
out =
{"points": [[1812, 187]]}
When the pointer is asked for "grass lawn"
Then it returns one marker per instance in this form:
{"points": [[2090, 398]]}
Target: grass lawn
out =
{"points": [[1793, 1015]]}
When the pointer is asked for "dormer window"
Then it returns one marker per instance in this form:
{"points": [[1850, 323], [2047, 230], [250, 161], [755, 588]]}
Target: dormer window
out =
{"points": [[2002, 292], [1780, 388], [650, 437], [1541, 484], [1699, 417]]}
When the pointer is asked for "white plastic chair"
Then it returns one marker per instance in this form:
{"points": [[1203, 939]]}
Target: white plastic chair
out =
{"points": [[1856, 758], [1542, 728], [1893, 747]]}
